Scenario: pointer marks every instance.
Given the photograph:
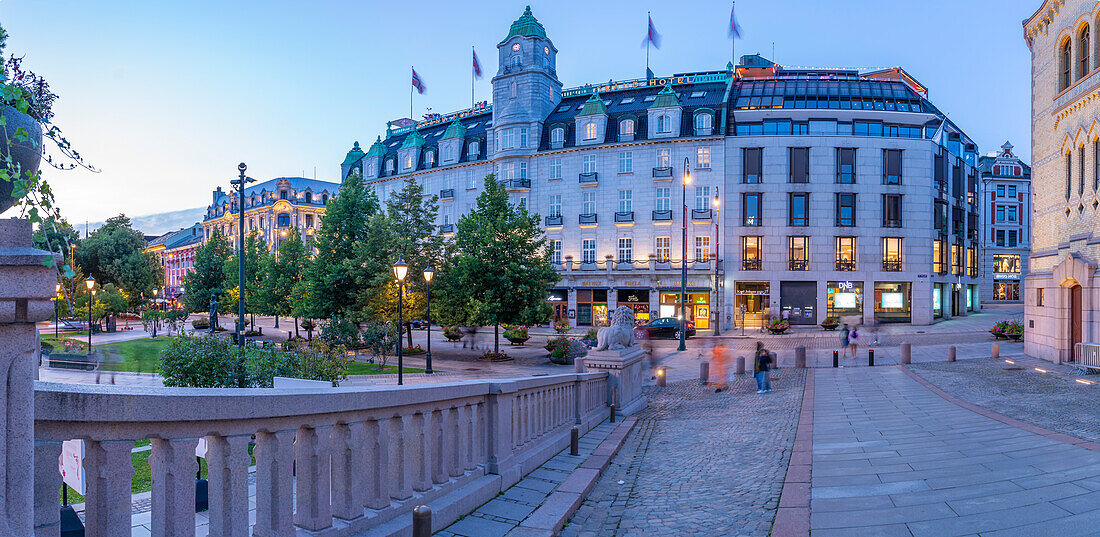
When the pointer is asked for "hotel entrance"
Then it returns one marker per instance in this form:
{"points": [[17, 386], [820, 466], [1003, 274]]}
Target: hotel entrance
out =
{"points": [[751, 303]]}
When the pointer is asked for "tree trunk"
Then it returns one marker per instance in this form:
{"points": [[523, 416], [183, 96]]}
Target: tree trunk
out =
{"points": [[496, 338], [252, 320], [276, 320], [295, 327], [409, 330]]}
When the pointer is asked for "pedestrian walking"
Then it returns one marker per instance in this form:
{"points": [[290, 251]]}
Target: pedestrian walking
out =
{"points": [[763, 367], [844, 340], [853, 342], [718, 367], [471, 334]]}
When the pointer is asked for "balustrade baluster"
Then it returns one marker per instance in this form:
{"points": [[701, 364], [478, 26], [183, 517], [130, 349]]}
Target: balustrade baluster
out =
{"points": [[473, 438], [108, 472], [438, 441], [401, 467], [462, 444], [377, 467], [47, 483], [173, 466], [452, 426], [348, 445], [227, 464], [313, 483], [274, 508], [420, 452]]}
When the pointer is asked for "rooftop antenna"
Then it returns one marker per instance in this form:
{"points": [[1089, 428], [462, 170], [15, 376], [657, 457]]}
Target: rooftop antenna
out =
{"points": [[774, 60]]}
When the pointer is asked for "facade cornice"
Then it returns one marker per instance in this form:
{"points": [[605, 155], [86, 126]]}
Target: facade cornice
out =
{"points": [[1037, 23]]}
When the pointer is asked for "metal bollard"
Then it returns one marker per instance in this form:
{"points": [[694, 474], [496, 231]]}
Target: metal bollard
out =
{"points": [[660, 377], [951, 353], [704, 373], [836, 358], [574, 441], [870, 357], [996, 352], [612, 412], [906, 353], [740, 365], [800, 357], [422, 521]]}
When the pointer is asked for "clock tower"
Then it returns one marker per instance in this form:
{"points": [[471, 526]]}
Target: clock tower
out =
{"points": [[526, 87]]}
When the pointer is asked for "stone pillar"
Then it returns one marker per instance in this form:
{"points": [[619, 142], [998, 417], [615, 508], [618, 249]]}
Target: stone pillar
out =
{"points": [[906, 353], [377, 493], [437, 442], [347, 443], [274, 508], [47, 481], [502, 398], [624, 369], [401, 466], [227, 462], [173, 466], [26, 287], [108, 474], [313, 485]]}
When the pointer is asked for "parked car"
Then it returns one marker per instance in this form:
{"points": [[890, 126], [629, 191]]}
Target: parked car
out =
{"points": [[665, 327]]}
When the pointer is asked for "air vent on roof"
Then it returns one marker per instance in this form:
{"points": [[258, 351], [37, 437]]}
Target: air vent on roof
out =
{"points": [[607, 103], [627, 100], [438, 133], [472, 125], [564, 108], [487, 124], [697, 94], [650, 99], [579, 106]]}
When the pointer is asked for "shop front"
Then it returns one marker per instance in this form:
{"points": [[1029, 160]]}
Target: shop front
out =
{"points": [[972, 297], [893, 302], [751, 303], [844, 299], [937, 300], [559, 301], [591, 307], [697, 304], [637, 300], [798, 302], [1006, 287]]}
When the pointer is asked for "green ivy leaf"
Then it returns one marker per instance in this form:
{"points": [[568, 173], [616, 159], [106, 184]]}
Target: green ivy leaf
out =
{"points": [[69, 272], [48, 261]]}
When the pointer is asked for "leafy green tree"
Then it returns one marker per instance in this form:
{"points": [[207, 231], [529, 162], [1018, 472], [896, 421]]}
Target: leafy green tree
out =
{"points": [[501, 269], [55, 235], [114, 253], [208, 277]]}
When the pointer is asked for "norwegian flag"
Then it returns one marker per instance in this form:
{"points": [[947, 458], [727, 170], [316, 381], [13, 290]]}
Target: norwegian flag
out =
{"points": [[418, 83], [651, 36], [735, 29], [477, 65]]}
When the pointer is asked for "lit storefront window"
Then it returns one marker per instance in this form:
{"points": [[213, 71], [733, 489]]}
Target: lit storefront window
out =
{"points": [[893, 302], [844, 298]]}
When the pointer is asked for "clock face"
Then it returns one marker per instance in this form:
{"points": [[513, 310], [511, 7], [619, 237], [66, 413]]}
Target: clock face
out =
{"points": [[546, 50], [515, 47]]}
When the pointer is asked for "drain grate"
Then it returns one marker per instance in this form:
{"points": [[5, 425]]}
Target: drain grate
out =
{"points": [[1014, 369]]}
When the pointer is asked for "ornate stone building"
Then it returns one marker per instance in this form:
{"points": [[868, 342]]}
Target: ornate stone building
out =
{"points": [[1006, 225], [175, 251], [271, 209]]}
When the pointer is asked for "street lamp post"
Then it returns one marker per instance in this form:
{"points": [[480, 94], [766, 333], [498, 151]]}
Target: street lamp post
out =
{"points": [[90, 282], [428, 273], [240, 183], [683, 261], [56, 310], [717, 292], [156, 311], [400, 269]]}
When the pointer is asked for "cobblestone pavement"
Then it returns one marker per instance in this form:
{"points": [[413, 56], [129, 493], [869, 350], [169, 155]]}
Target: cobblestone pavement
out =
{"points": [[891, 457], [1018, 391], [698, 463]]}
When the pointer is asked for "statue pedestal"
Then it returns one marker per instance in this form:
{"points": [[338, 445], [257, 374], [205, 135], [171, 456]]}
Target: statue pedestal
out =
{"points": [[26, 287], [624, 369]]}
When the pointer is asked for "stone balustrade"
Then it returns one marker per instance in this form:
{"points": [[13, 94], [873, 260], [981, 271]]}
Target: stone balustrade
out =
{"points": [[337, 461]]}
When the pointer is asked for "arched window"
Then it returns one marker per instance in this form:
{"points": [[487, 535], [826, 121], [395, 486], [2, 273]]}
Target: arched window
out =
{"points": [[284, 220], [370, 169], [409, 160], [557, 135], [471, 154], [389, 165], [1083, 48], [1067, 64], [309, 197], [664, 124], [324, 201], [626, 127], [702, 123], [590, 130], [515, 61], [429, 158]]}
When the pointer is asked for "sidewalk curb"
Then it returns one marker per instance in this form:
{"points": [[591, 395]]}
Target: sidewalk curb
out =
{"points": [[792, 518], [548, 519]]}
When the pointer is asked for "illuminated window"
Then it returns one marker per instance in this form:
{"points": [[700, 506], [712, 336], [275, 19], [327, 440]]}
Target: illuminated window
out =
{"points": [[702, 157], [555, 252], [590, 130], [663, 249], [626, 127], [664, 124], [664, 158], [702, 248]]}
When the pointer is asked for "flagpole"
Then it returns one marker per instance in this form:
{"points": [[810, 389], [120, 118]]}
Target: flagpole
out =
{"points": [[411, 96], [733, 40], [472, 76], [648, 38]]}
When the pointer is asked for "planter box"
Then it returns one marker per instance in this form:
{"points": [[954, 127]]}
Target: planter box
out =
{"points": [[999, 335], [517, 341], [453, 337], [1015, 337], [777, 331], [829, 326]]}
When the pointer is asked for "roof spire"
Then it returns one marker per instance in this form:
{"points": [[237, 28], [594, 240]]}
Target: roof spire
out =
{"points": [[527, 26]]}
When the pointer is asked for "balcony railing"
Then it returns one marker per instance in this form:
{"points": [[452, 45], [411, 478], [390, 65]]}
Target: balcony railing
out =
{"points": [[750, 264], [798, 264], [700, 214], [624, 216], [662, 173], [554, 220], [588, 218], [447, 194], [845, 264], [891, 265], [557, 144], [519, 184], [447, 228], [588, 178], [704, 132], [626, 137], [662, 216], [891, 223], [652, 263]]}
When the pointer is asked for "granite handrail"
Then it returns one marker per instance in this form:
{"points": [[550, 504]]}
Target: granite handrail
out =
{"points": [[335, 461]]}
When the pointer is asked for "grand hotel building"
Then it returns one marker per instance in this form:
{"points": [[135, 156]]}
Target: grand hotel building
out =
{"points": [[815, 192]]}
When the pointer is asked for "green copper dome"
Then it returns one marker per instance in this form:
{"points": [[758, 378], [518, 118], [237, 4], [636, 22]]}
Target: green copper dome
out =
{"points": [[377, 149], [594, 105], [666, 97], [455, 130], [527, 26], [414, 139], [353, 156]]}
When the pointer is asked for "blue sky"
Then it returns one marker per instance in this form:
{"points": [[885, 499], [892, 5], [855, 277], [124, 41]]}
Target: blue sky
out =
{"points": [[167, 97]]}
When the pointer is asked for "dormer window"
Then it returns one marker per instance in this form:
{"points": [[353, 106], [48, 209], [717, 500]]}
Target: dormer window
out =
{"points": [[283, 194], [664, 124], [389, 165], [626, 127], [370, 169], [309, 197], [472, 151], [703, 124], [590, 130], [409, 161], [557, 136], [324, 201], [429, 158]]}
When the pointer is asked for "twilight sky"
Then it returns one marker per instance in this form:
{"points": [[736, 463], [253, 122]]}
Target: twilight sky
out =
{"points": [[167, 97]]}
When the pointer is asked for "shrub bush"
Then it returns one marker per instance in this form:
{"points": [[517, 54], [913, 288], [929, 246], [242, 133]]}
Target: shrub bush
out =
{"points": [[561, 326], [516, 332]]}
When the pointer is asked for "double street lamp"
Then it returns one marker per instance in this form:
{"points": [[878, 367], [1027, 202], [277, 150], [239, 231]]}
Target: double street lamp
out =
{"points": [[428, 273], [155, 308], [684, 261], [400, 270], [90, 282]]}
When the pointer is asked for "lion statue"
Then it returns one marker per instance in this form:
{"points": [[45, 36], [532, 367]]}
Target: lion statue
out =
{"points": [[620, 335]]}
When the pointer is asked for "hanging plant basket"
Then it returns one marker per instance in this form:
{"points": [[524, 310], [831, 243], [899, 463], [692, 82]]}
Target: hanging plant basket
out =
{"points": [[26, 156]]}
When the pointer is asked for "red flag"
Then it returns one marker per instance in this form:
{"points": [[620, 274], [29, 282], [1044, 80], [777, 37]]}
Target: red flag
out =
{"points": [[477, 65], [418, 83], [651, 35]]}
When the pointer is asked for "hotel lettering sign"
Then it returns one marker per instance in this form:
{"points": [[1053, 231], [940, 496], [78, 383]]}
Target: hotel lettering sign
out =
{"points": [[642, 82], [440, 120]]}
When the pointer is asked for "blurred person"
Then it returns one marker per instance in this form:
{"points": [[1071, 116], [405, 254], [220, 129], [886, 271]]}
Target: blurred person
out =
{"points": [[853, 341], [845, 340], [763, 368], [718, 364]]}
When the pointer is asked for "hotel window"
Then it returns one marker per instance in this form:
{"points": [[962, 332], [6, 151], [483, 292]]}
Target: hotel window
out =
{"points": [[845, 165], [702, 198], [799, 209], [555, 205], [752, 166], [555, 169], [891, 254], [555, 252], [1000, 191], [507, 138], [956, 259], [590, 130], [589, 164], [702, 157], [1083, 52], [798, 253], [508, 171], [389, 166], [845, 253], [523, 203], [309, 221], [750, 253], [891, 166], [284, 220], [409, 160], [523, 137], [845, 209], [557, 137], [938, 252], [663, 249], [626, 250], [1000, 213], [626, 162], [703, 124], [1011, 213], [891, 210], [702, 248], [472, 151], [799, 161], [664, 198], [626, 201], [588, 204], [471, 181], [370, 169], [588, 251], [664, 158], [751, 207], [429, 159], [626, 127], [664, 124]]}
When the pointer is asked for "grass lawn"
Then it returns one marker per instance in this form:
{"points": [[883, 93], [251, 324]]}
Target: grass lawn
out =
{"points": [[136, 355], [363, 368]]}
